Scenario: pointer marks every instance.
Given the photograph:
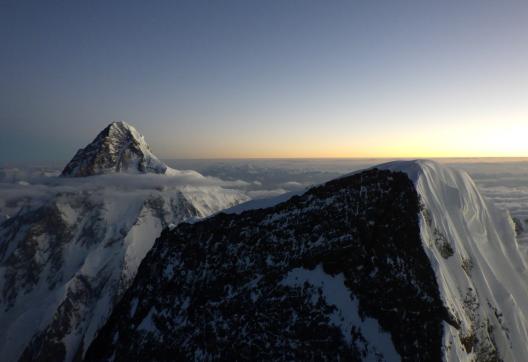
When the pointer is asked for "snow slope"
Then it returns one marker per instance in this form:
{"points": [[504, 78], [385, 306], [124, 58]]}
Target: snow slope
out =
{"points": [[346, 315], [64, 263], [261, 203], [479, 267]]}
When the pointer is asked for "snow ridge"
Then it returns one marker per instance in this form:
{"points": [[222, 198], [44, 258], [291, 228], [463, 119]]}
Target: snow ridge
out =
{"points": [[479, 266]]}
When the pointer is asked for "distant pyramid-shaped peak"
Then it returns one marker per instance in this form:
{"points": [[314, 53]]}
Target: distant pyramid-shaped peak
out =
{"points": [[117, 148]]}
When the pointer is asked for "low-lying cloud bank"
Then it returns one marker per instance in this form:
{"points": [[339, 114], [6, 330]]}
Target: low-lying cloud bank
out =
{"points": [[30, 188], [505, 183]]}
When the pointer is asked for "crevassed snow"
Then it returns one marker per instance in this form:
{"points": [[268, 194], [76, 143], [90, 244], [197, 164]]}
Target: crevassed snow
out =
{"points": [[346, 315], [484, 283]]}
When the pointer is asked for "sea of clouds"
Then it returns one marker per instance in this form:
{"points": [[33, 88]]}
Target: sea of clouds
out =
{"points": [[504, 181]]}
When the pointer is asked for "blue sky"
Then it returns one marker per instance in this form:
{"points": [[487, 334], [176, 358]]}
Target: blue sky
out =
{"points": [[266, 78]]}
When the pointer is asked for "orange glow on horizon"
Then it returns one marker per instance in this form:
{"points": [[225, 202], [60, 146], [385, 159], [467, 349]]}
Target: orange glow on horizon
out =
{"points": [[464, 141]]}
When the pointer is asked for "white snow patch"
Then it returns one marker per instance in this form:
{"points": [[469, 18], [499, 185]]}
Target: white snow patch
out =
{"points": [[133, 307], [147, 324], [346, 314]]}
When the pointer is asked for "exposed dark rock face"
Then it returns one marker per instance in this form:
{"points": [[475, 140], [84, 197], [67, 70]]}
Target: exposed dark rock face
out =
{"points": [[119, 147], [519, 229], [22, 255], [215, 290]]}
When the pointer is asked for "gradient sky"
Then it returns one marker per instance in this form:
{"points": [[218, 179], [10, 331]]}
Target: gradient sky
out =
{"points": [[266, 78]]}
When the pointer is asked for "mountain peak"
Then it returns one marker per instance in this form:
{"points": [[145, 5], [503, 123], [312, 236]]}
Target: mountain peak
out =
{"points": [[117, 148], [122, 126]]}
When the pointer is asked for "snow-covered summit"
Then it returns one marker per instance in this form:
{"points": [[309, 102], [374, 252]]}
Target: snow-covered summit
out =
{"points": [[72, 246], [117, 148]]}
